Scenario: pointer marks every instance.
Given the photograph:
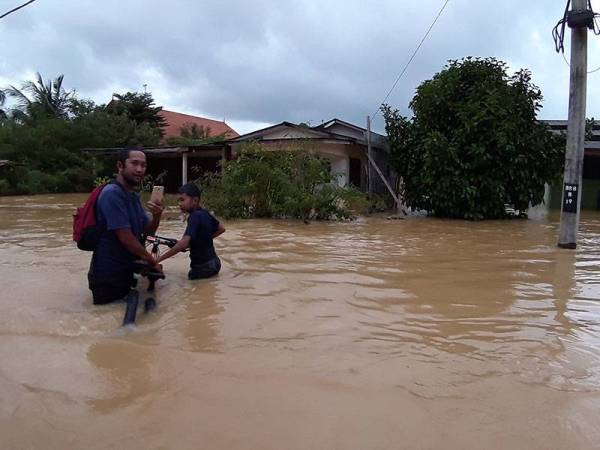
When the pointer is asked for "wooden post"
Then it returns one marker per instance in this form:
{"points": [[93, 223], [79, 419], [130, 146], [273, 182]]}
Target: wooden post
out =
{"points": [[184, 168], [385, 181], [369, 159], [571, 200]]}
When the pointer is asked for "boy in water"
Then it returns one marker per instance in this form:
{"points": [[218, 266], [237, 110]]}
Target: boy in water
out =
{"points": [[201, 229]]}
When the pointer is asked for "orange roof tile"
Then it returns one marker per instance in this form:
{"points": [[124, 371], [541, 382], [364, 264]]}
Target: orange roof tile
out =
{"points": [[175, 121]]}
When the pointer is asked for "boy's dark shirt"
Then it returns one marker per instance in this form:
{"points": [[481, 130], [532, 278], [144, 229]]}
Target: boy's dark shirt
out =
{"points": [[200, 228], [116, 209]]}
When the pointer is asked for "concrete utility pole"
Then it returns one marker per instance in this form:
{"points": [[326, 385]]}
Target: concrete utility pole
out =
{"points": [[571, 201]]}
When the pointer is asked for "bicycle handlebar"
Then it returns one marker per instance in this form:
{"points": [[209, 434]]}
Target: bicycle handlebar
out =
{"points": [[159, 240]]}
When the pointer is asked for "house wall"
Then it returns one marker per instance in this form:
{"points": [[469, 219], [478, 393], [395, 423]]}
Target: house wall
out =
{"points": [[340, 166], [590, 195], [590, 189]]}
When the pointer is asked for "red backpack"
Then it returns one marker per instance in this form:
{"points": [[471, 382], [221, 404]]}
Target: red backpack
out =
{"points": [[85, 230]]}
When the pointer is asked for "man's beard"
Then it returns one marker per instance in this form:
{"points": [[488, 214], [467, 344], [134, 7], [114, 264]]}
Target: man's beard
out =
{"points": [[131, 181]]}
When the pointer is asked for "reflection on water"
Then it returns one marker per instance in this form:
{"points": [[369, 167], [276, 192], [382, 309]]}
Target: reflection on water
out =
{"points": [[457, 312]]}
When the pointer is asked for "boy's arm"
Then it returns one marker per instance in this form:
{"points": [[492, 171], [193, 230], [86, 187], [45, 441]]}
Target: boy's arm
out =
{"points": [[220, 230], [181, 245]]}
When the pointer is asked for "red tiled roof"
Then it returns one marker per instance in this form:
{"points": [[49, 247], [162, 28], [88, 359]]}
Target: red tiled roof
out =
{"points": [[175, 121]]}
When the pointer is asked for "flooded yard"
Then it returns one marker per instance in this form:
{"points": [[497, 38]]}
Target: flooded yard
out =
{"points": [[373, 334]]}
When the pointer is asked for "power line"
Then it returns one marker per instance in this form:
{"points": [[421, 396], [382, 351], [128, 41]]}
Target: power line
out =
{"points": [[589, 71], [16, 9], [412, 57]]}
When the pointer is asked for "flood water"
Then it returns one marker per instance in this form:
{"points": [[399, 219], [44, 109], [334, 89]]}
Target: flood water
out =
{"points": [[374, 334]]}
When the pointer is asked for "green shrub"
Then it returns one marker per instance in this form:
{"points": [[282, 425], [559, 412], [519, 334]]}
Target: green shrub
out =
{"points": [[292, 184]]}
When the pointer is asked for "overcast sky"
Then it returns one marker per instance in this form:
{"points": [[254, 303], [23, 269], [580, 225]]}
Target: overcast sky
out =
{"points": [[259, 62]]}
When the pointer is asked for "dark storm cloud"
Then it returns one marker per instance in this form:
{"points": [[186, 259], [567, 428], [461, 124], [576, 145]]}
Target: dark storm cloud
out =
{"points": [[268, 61]]}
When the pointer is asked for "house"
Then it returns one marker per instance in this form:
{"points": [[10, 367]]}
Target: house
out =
{"points": [[184, 162], [175, 122], [342, 143], [590, 190]]}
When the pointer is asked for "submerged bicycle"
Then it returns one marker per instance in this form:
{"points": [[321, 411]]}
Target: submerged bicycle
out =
{"points": [[143, 269]]}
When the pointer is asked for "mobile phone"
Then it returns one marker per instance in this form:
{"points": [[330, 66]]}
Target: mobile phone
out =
{"points": [[157, 194]]}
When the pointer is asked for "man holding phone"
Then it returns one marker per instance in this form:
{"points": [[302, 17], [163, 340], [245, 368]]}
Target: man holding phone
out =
{"points": [[120, 214]]}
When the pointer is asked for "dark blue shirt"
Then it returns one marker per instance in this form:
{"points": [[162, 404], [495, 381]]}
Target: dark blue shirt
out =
{"points": [[201, 227], [116, 209]]}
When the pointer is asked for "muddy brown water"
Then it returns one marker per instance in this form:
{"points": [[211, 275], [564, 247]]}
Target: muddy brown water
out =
{"points": [[374, 334]]}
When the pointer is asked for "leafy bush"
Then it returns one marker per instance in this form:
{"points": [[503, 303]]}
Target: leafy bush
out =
{"points": [[474, 143], [293, 184]]}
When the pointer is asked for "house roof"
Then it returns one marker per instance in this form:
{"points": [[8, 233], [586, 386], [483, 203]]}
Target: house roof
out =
{"points": [[175, 121], [319, 132], [166, 150], [335, 121], [560, 126], [260, 134]]}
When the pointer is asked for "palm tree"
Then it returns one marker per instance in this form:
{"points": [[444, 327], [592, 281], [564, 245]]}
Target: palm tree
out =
{"points": [[36, 98], [3, 114]]}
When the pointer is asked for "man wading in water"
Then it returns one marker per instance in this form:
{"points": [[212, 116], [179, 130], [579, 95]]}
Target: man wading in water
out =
{"points": [[120, 214]]}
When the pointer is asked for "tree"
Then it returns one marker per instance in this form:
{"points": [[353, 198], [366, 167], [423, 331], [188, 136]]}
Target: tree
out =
{"points": [[3, 114], [137, 107], [41, 100], [474, 143], [194, 134]]}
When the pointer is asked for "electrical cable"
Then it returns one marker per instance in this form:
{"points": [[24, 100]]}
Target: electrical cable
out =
{"points": [[588, 72], [595, 26], [558, 32], [412, 57], [16, 9]]}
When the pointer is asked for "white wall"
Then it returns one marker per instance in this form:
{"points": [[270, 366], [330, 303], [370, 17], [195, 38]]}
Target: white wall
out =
{"points": [[341, 166]]}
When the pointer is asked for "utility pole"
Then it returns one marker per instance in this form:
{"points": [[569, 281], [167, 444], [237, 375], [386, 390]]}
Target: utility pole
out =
{"points": [[369, 159], [571, 200]]}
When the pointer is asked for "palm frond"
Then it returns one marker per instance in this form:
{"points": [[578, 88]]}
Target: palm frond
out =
{"points": [[19, 96]]}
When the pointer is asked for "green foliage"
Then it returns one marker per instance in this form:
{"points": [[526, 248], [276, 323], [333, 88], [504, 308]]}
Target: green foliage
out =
{"points": [[39, 99], [45, 148], [99, 181], [149, 181], [138, 107], [193, 134], [293, 184], [589, 128], [3, 113], [474, 144]]}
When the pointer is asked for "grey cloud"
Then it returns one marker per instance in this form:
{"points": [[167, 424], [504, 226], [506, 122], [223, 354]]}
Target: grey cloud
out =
{"points": [[270, 61]]}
